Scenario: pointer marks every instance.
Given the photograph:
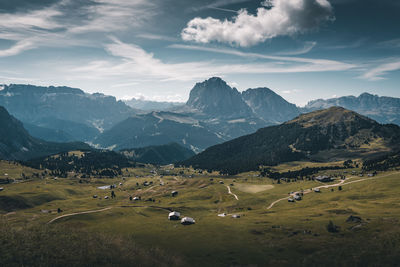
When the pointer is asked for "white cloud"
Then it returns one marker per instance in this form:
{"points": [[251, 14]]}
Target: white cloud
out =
{"points": [[284, 18], [378, 73]]}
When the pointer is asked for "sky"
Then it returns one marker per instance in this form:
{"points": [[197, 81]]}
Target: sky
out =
{"points": [[159, 49]]}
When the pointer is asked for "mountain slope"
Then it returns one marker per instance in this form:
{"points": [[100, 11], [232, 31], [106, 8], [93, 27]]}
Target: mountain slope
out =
{"points": [[380, 108], [159, 128], [48, 134], [162, 155], [17, 144], [325, 135], [269, 106]]}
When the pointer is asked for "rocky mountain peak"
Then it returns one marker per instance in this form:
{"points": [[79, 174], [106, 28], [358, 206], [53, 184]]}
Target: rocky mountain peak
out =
{"points": [[214, 97]]}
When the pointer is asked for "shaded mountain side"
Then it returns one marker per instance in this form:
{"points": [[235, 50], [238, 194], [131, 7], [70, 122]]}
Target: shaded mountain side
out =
{"points": [[159, 128], [48, 134], [315, 135], [161, 155], [270, 106], [77, 131], [380, 108], [36, 104], [17, 144]]}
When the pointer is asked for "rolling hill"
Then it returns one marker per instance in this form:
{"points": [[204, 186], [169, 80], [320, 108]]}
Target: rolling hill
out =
{"points": [[324, 135]]}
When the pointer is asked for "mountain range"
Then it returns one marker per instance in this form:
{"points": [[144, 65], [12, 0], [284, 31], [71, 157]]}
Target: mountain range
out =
{"points": [[71, 113], [324, 135], [380, 108], [214, 113]]}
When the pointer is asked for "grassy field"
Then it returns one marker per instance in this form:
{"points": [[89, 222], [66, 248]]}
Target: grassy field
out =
{"points": [[287, 234]]}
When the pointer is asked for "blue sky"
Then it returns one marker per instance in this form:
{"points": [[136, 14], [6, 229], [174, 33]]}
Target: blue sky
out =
{"points": [[301, 49]]}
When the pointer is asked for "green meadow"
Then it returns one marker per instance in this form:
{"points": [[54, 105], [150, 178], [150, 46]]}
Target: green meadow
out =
{"points": [[123, 232]]}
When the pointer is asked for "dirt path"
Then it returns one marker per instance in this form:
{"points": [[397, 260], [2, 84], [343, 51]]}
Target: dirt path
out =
{"points": [[78, 213], [230, 192], [95, 211], [342, 182]]}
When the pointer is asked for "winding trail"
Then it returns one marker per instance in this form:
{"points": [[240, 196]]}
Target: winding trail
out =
{"points": [[95, 211], [342, 182], [230, 192], [78, 213]]}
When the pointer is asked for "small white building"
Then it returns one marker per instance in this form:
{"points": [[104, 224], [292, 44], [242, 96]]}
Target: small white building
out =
{"points": [[290, 199], [236, 216], [174, 193], [317, 190], [222, 215], [323, 178], [174, 215], [136, 198], [187, 221], [297, 197], [106, 197]]}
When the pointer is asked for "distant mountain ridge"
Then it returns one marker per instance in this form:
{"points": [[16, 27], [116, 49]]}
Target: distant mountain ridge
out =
{"points": [[81, 115], [17, 144], [380, 108], [324, 135], [148, 105]]}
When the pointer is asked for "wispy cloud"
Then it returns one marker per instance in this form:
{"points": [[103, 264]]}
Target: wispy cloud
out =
{"points": [[307, 47], [135, 62], [57, 25], [151, 36], [19, 47], [219, 4], [377, 73], [324, 64], [355, 44], [394, 43]]}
